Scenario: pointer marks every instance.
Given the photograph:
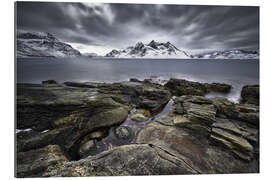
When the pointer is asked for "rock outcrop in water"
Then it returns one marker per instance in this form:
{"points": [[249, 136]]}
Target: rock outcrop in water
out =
{"points": [[179, 87], [62, 125]]}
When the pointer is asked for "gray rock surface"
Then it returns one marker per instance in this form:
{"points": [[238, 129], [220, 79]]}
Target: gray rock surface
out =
{"points": [[33, 163], [135, 159], [88, 129]]}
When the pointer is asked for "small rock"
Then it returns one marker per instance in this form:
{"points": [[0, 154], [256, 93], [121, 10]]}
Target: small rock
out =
{"points": [[122, 132], [86, 147], [139, 118], [49, 82], [179, 109], [134, 80], [141, 115], [97, 134]]}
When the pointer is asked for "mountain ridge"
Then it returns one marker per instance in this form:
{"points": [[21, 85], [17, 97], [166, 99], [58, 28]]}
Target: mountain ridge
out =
{"points": [[151, 50], [229, 54], [42, 44]]}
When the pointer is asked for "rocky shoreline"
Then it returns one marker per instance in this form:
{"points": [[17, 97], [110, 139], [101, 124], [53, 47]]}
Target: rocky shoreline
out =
{"points": [[135, 128]]}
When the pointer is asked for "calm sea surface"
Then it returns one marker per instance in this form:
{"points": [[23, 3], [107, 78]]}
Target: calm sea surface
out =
{"points": [[234, 72]]}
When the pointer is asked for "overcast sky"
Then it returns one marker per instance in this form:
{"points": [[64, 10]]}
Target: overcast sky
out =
{"points": [[102, 27]]}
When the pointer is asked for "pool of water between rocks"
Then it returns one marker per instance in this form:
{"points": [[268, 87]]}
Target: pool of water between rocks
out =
{"points": [[126, 133]]}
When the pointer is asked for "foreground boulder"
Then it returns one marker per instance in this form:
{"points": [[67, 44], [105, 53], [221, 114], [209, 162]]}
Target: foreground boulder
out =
{"points": [[250, 94], [64, 115]]}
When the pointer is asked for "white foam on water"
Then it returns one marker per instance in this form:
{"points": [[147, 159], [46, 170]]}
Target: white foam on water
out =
{"points": [[45, 131], [23, 130]]}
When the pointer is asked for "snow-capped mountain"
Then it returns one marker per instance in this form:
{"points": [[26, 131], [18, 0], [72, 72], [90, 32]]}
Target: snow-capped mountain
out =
{"points": [[40, 44], [152, 50], [231, 54]]}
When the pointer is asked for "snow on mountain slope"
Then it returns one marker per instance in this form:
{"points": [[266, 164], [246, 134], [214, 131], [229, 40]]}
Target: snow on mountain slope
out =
{"points": [[231, 54], [40, 44], [152, 50]]}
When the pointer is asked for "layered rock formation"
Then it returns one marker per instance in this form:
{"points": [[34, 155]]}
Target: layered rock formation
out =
{"points": [[81, 129]]}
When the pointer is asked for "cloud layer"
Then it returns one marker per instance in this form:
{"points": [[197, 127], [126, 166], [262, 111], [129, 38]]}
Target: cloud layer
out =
{"points": [[102, 27]]}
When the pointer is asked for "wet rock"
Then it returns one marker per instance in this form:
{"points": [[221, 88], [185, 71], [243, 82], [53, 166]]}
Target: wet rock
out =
{"points": [[134, 159], [250, 94], [33, 163], [181, 87]]}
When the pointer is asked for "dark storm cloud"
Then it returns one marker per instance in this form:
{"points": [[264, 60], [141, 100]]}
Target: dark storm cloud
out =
{"points": [[193, 28]]}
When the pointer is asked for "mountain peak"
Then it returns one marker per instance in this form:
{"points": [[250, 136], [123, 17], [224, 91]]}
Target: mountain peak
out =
{"points": [[153, 44], [139, 46], [152, 50]]}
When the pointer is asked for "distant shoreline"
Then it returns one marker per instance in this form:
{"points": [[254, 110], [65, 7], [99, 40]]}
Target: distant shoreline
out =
{"points": [[113, 58]]}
